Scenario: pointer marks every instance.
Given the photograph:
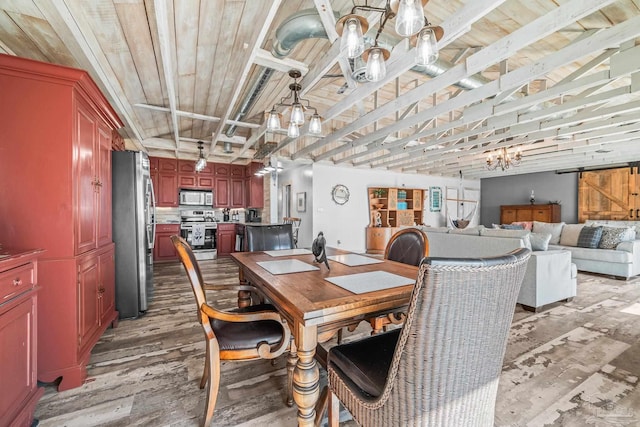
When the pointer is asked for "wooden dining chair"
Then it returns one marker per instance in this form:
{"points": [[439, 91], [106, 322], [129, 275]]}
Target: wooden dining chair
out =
{"points": [[254, 332], [442, 367]]}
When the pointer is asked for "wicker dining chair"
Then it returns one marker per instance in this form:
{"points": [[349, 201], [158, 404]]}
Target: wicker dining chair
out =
{"points": [[254, 332], [442, 367]]}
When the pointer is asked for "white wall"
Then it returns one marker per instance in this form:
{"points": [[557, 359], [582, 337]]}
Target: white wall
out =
{"points": [[344, 225], [301, 180]]}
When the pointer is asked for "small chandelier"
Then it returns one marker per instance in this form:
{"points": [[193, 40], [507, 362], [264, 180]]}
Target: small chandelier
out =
{"points": [[297, 111], [503, 160], [410, 21], [202, 161]]}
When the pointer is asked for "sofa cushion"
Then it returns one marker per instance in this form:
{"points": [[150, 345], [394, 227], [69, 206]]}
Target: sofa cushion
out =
{"points": [[539, 241], [553, 228], [605, 255], [474, 231], [590, 237], [612, 236], [492, 232], [570, 234]]}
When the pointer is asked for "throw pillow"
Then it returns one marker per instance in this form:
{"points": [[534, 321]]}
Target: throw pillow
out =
{"points": [[539, 241], [527, 225], [553, 228], [612, 236], [570, 233], [590, 237], [512, 227]]}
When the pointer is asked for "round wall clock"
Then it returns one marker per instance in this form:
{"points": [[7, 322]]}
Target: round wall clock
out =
{"points": [[340, 194]]}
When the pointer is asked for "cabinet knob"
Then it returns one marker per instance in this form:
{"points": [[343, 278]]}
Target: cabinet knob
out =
{"points": [[101, 290], [17, 282]]}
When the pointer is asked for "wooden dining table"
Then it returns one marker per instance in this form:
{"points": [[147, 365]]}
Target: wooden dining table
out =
{"points": [[315, 308]]}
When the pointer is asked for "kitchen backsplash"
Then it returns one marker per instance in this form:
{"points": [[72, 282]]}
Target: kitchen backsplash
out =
{"points": [[172, 215]]}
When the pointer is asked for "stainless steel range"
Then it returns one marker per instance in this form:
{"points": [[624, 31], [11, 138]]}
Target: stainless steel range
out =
{"points": [[199, 229]]}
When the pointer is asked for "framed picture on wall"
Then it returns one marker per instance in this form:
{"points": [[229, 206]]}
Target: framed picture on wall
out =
{"points": [[435, 199], [301, 202]]}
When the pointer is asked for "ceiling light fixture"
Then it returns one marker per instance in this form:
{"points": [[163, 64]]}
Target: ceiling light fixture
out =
{"points": [[297, 111], [202, 162], [410, 21], [503, 160]]}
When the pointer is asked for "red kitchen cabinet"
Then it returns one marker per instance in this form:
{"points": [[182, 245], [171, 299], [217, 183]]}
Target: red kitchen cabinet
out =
{"points": [[237, 192], [166, 183], [254, 187], [226, 238], [66, 161], [163, 250], [19, 393], [189, 178], [229, 188]]}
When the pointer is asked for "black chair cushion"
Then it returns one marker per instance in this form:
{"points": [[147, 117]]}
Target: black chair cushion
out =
{"points": [[247, 335], [366, 362], [407, 248], [269, 237]]}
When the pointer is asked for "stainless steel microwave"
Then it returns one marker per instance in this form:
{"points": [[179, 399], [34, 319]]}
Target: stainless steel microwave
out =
{"points": [[196, 198]]}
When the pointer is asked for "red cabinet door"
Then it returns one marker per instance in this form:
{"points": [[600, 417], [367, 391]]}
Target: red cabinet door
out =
{"points": [[17, 353], [107, 284], [237, 192], [103, 189], [164, 249], [86, 180], [167, 191], [88, 312], [226, 239], [221, 192], [187, 181]]}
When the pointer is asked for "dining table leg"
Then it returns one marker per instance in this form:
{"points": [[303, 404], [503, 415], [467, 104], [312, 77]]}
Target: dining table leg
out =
{"points": [[306, 375]]}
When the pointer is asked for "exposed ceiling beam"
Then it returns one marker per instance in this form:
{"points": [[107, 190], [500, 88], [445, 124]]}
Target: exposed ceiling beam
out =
{"points": [[197, 116]]}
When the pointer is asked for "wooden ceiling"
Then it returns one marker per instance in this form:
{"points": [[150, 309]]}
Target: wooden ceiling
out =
{"points": [[556, 78]]}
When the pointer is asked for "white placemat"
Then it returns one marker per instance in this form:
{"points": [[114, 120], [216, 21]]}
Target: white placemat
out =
{"points": [[353, 259], [370, 281], [288, 252], [286, 266]]}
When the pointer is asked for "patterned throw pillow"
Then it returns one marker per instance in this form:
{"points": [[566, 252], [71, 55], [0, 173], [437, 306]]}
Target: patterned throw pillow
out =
{"points": [[512, 227], [589, 237], [612, 236], [527, 225]]}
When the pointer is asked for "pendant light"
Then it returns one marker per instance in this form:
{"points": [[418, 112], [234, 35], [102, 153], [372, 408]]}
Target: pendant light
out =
{"points": [[297, 109], [202, 161]]}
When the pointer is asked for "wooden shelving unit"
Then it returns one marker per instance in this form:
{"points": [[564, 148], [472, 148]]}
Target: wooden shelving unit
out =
{"points": [[390, 208]]}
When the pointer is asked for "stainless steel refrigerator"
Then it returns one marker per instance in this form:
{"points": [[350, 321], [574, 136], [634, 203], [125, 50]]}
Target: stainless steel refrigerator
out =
{"points": [[133, 231]]}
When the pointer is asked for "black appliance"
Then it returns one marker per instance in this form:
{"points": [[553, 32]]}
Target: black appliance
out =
{"points": [[253, 215]]}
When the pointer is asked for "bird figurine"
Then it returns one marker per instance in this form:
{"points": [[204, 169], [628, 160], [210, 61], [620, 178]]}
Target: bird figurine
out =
{"points": [[318, 249]]}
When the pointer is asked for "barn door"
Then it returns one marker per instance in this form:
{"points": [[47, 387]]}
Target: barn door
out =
{"points": [[609, 194]]}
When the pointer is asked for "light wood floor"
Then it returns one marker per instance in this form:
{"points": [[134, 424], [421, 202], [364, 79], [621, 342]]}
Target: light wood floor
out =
{"points": [[575, 364]]}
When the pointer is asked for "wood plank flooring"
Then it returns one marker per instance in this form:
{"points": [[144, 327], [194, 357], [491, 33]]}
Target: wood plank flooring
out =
{"points": [[575, 364]]}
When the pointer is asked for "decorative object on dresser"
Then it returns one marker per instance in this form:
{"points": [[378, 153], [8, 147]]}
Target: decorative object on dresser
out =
{"points": [[18, 336], [518, 213], [71, 215]]}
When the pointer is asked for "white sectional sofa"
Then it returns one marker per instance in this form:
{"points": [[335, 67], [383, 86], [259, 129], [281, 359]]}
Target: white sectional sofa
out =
{"points": [[550, 275], [622, 260]]}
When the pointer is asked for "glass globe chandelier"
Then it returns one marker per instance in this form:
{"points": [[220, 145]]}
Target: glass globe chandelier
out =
{"points": [[410, 21], [297, 108]]}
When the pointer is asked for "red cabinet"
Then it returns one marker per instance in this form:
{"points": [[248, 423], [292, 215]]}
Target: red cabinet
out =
{"points": [[164, 250], [229, 188], [19, 393], [165, 182], [62, 168], [226, 238], [189, 178], [254, 187]]}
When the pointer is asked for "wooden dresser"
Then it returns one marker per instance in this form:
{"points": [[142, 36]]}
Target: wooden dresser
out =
{"points": [[542, 213], [18, 336]]}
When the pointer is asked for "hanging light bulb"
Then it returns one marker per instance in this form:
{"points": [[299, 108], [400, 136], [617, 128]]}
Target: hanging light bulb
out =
{"points": [[427, 47], [376, 68], [202, 161], [352, 40], [292, 130], [315, 125], [273, 121], [410, 17], [297, 114]]}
